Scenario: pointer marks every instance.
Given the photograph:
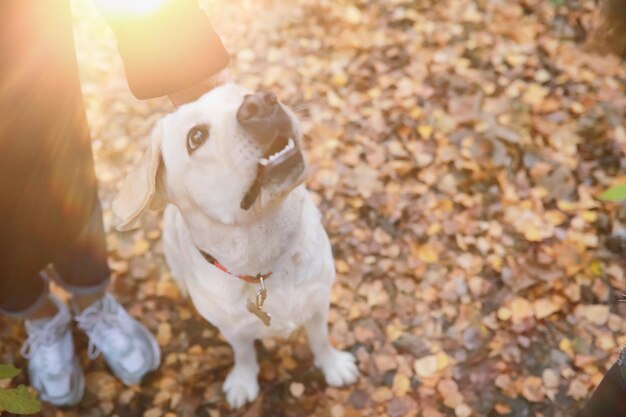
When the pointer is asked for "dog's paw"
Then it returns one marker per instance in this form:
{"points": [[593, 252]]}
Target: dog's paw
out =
{"points": [[339, 368], [240, 387]]}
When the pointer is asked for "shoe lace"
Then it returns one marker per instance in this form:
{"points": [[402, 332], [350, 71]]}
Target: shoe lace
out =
{"points": [[44, 344], [105, 330]]}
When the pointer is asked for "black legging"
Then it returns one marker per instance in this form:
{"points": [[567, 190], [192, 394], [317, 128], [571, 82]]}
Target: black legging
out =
{"points": [[81, 269]]}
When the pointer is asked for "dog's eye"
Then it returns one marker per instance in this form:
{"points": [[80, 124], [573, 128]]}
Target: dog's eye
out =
{"points": [[196, 137]]}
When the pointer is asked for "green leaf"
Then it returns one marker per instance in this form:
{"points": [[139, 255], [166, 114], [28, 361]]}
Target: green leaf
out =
{"points": [[8, 371], [615, 193], [19, 401]]}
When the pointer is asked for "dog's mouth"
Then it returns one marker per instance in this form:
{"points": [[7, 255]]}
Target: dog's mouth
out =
{"points": [[279, 170], [281, 149]]}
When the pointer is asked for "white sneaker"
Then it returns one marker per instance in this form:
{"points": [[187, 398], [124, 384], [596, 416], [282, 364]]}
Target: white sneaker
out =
{"points": [[128, 347], [53, 367]]}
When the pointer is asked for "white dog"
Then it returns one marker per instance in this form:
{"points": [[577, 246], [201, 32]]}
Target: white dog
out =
{"points": [[241, 233]]}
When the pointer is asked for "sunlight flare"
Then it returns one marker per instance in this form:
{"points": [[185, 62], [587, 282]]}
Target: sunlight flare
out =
{"points": [[130, 7]]}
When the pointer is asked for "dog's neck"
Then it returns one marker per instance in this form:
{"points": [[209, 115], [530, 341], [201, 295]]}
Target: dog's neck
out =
{"points": [[251, 247]]}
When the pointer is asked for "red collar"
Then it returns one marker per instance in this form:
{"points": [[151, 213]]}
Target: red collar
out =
{"points": [[248, 278]]}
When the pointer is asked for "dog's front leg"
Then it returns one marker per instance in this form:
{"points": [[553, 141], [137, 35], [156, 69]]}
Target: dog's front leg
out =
{"points": [[339, 367], [241, 385]]}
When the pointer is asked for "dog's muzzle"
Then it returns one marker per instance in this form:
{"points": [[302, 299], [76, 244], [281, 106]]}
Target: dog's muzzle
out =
{"points": [[282, 165]]}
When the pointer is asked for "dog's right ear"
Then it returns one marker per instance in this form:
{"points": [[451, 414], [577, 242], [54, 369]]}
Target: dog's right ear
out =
{"points": [[140, 185]]}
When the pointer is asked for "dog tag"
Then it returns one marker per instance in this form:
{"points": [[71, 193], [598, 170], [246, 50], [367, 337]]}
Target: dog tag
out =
{"points": [[256, 308]]}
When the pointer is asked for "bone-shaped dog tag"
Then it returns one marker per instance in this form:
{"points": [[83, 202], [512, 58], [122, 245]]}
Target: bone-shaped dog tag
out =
{"points": [[256, 310]]}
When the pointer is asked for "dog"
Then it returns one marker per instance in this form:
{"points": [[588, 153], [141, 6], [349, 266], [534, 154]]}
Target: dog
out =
{"points": [[241, 233]]}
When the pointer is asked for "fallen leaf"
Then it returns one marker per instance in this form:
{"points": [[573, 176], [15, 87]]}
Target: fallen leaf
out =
{"points": [[296, 389], [596, 314]]}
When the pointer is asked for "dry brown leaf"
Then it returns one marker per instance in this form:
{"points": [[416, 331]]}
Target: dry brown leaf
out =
{"points": [[401, 384], [545, 307], [431, 364], [532, 389], [596, 314]]}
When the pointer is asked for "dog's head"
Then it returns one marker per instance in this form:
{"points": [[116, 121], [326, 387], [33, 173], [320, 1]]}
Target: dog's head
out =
{"points": [[231, 154]]}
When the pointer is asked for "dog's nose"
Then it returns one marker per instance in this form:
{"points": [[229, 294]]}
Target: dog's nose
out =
{"points": [[257, 105], [262, 115]]}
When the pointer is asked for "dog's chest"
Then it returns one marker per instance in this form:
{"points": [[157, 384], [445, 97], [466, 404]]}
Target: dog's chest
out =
{"points": [[299, 286], [300, 283]]}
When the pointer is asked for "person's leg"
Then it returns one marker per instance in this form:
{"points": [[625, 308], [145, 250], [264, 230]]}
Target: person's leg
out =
{"points": [[128, 347], [47, 182], [82, 268], [25, 296]]}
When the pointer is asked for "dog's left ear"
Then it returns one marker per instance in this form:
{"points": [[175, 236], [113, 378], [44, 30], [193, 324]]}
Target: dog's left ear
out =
{"points": [[141, 186]]}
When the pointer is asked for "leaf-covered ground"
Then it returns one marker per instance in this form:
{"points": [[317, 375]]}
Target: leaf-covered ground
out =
{"points": [[457, 150]]}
